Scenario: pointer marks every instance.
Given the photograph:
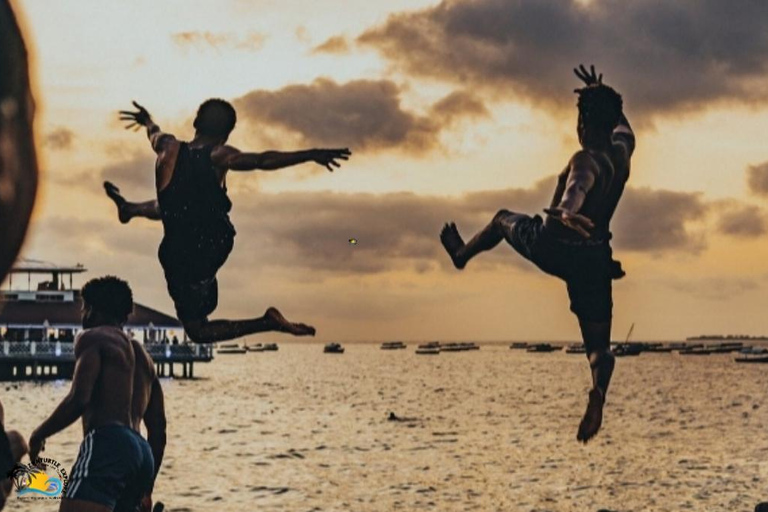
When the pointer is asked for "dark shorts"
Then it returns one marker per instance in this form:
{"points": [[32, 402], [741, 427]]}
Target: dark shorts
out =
{"points": [[588, 268], [114, 468], [190, 264]]}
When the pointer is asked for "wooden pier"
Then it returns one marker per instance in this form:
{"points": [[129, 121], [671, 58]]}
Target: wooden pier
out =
{"points": [[34, 360]]}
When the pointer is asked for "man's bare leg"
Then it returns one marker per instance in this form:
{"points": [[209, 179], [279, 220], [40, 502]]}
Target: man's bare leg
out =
{"points": [[503, 223], [597, 339], [127, 210], [211, 331]]}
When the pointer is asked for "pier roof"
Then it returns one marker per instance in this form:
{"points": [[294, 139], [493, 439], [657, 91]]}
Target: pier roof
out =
{"points": [[67, 315]]}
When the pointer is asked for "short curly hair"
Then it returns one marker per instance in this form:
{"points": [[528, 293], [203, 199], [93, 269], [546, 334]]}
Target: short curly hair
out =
{"points": [[110, 296], [600, 108], [215, 117]]}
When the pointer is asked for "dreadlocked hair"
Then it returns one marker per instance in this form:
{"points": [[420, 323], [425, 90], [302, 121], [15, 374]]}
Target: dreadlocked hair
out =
{"points": [[600, 107]]}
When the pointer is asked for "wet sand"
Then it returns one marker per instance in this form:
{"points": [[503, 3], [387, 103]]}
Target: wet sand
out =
{"points": [[494, 429]]}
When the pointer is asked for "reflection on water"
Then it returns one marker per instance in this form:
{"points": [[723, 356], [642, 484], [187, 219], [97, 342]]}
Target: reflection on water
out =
{"points": [[492, 429]]}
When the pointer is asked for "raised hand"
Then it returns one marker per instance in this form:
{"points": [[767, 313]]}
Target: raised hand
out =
{"points": [[576, 221], [588, 77], [136, 119], [328, 157]]}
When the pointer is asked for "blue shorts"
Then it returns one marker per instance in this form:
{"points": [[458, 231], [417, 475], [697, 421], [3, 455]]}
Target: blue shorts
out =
{"points": [[114, 468]]}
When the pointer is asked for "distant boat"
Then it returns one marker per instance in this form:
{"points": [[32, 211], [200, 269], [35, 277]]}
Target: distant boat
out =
{"points": [[267, 347], [541, 347], [431, 348], [627, 349], [754, 358], [333, 348], [519, 345], [230, 348], [393, 345], [458, 347], [576, 348]]}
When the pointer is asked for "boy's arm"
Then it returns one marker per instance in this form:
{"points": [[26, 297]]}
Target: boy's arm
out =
{"points": [[157, 138], [232, 158]]}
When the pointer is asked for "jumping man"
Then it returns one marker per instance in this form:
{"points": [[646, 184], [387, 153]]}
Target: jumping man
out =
{"points": [[573, 243], [192, 202]]}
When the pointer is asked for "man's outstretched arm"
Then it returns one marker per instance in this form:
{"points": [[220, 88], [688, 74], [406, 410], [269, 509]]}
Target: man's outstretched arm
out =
{"points": [[141, 117], [236, 160], [74, 404]]}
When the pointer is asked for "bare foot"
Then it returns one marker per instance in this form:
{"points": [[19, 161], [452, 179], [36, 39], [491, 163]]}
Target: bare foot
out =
{"points": [[453, 244], [114, 194], [593, 416], [283, 325]]}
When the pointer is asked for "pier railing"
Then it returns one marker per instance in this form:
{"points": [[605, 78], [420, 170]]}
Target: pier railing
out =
{"points": [[35, 360]]}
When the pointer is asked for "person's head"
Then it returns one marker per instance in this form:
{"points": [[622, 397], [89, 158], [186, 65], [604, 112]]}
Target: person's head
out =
{"points": [[106, 301], [215, 118], [600, 108]]}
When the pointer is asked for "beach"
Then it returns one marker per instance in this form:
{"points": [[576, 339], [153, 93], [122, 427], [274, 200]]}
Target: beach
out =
{"points": [[487, 430]]}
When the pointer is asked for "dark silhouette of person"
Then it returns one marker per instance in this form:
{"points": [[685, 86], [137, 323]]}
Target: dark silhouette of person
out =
{"points": [[193, 205], [573, 243], [114, 389]]}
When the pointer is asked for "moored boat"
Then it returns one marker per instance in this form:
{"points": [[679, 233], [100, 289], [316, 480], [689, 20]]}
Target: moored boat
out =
{"points": [[333, 348]]}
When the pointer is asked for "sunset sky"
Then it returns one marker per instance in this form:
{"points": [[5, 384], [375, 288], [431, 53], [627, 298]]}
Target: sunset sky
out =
{"points": [[453, 110]]}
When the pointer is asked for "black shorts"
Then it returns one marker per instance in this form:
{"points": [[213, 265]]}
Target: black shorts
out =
{"points": [[115, 468], [587, 269], [190, 264]]}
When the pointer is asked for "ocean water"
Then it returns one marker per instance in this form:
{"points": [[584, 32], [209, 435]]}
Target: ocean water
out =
{"points": [[487, 430]]}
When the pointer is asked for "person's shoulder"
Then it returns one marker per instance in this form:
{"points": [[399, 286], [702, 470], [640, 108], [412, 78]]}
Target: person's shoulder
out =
{"points": [[221, 153], [89, 338], [584, 159]]}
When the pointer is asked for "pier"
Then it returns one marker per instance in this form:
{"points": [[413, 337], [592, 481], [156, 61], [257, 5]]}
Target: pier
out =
{"points": [[50, 361], [40, 317]]}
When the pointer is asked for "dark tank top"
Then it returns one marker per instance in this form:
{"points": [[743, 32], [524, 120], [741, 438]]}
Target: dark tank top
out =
{"points": [[194, 205], [602, 199]]}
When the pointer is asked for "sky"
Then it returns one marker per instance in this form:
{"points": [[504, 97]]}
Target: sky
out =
{"points": [[453, 109]]}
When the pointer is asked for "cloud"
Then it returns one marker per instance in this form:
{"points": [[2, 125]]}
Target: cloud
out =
{"points": [[361, 114], [757, 179], [664, 56], [713, 288], [60, 139], [744, 221], [336, 45], [650, 220], [223, 40], [399, 231]]}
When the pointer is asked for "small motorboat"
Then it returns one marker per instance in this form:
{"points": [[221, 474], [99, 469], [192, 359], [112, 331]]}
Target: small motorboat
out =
{"points": [[576, 348], [431, 348], [393, 345], [270, 347], [752, 359], [255, 348], [333, 348], [541, 347], [627, 349], [230, 348]]}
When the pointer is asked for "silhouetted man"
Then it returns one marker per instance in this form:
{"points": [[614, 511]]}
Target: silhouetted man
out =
{"points": [[114, 389], [192, 202], [573, 242]]}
